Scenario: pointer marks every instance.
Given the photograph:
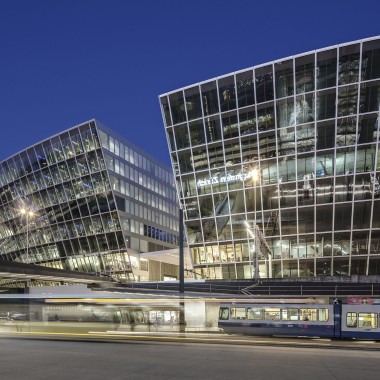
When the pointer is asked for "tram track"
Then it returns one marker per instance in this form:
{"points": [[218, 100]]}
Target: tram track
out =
{"points": [[175, 337]]}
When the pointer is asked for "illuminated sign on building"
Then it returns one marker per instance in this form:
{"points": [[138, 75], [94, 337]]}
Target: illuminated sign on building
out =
{"points": [[225, 179]]}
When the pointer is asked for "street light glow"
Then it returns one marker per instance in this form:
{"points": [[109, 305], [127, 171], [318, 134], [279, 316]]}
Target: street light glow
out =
{"points": [[255, 174], [27, 212]]}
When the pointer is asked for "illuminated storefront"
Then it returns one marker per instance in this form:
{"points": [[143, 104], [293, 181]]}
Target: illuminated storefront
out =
{"points": [[308, 125], [84, 200]]}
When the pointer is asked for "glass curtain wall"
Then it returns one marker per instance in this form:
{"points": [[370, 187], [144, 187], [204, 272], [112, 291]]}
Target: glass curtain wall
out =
{"points": [[308, 127], [71, 221], [80, 199]]}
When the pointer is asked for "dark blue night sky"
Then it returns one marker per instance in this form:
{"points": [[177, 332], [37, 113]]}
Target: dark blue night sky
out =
{"points": [[63, 62]]}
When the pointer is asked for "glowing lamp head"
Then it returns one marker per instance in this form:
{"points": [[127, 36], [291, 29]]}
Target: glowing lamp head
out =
{"points": [[26, 212], [255, 174]]}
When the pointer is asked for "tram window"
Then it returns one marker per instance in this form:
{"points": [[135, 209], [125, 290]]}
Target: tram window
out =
{"points": [[368, 320], [308, 314], [254, 313], [323, 315], [224, 313], [289, 314], [238, 313], [272, 313], [351, 320]]}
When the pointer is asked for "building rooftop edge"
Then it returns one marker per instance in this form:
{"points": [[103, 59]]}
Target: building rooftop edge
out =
{"points": [[48, 138], [271, 62], [100, 126]]}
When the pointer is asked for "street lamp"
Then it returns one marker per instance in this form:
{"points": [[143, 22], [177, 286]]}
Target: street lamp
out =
{"points": [[255, 177], [28, 214]]}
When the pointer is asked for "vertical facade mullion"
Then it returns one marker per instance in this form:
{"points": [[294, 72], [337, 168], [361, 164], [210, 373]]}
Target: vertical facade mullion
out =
{"points": [[341, 216], [276, 132]]}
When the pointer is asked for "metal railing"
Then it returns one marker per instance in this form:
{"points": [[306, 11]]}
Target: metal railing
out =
{"points": [[265, 289]]}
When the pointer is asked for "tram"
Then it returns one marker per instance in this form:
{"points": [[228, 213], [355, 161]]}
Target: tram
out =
{"points": [[83, 314], [301, 320]]}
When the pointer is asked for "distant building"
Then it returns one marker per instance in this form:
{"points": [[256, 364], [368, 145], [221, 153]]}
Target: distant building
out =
{"points": [[307, 127], [95, 200]]}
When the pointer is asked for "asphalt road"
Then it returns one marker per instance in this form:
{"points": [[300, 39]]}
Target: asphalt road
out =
{"points": [[55, 360]]}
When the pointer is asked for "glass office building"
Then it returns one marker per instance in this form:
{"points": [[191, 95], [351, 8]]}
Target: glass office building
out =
{"points": [[291, 146], [83, 200]]}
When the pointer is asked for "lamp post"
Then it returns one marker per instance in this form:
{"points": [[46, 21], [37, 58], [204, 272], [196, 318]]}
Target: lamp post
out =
{"points": [[182, 319], [255, 235], [28, 214]]}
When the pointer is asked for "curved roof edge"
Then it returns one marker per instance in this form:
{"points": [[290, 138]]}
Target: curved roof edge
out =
{"points": [[272, 62], [100, 126], [48, 138]]}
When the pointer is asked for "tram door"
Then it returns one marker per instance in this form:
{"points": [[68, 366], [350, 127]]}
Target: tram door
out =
{"points": [[337, 320]]}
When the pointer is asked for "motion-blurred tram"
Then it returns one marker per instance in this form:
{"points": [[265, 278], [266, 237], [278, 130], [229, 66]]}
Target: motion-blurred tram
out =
{"points": [[301, 320]]}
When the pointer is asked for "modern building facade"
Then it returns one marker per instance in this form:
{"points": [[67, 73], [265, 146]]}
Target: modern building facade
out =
{"points": [[86, 200], [292, 147]]}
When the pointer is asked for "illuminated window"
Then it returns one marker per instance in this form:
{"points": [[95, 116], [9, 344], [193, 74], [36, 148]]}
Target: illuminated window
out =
{"points": [[254, 313], [308, 314], [272, 313], [368, 320], [323, 315], [289, 314], [238, 313], [351, 320], [224, 313]]}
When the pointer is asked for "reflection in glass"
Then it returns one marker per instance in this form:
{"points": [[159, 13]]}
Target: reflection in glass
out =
{"points": [[65, 181], [284, 78], [177, 107], [326, 69], [371, 54], [310, 124], [349, 62], [304, 74], [245, 88], [193, 103], [264, 84], [209, 98], [227, 97]]}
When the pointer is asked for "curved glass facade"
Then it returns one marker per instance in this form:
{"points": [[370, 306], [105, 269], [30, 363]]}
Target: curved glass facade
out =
{"points": [[308, 125], [88, 198]]}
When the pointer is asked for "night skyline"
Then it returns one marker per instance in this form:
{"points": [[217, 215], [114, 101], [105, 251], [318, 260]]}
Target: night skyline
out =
{"points": [[64, 63]]}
